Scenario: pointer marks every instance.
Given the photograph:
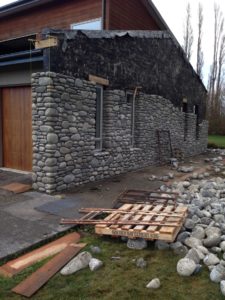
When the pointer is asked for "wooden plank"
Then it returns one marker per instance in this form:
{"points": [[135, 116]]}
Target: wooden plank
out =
{"points": [[157, 208], [36, 280], [51, 41], [98, 80], [15, 266], [134, 208], [165, 229], [17, 187]]}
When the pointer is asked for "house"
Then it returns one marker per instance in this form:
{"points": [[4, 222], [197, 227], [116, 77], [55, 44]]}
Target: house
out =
{"points": [[104, 102]]}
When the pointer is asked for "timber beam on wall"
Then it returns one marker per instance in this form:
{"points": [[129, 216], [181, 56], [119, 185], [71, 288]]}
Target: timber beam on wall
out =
{"points": [[98, 80], [50, 41]]}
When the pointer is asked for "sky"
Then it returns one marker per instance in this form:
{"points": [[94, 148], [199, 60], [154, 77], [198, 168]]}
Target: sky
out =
{"points": [[174, 11]]}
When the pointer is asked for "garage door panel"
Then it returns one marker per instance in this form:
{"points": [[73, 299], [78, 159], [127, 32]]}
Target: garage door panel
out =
{"points": [[17, 128]]}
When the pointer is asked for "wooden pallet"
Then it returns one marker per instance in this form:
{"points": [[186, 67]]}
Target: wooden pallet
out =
{"points": [[136, 220], [158, 222]]}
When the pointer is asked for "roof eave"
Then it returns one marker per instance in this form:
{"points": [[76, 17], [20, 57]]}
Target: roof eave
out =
{"points": [[20, 5]]}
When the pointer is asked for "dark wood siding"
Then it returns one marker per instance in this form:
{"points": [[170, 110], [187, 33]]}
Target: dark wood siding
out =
{"points": [[17, 128], [128, 15], [61, 15]]}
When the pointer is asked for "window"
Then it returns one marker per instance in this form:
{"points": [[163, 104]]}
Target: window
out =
{"points": [[196, 112], [95, 24], [98, 118], [131, 103], [184, 109]]}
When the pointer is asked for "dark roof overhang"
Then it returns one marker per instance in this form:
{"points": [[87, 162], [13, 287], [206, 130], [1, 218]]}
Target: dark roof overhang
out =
{"points": [[21, 5]]}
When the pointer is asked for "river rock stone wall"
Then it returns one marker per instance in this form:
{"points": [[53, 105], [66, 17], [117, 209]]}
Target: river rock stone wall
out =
{"points": [[64, 153]]}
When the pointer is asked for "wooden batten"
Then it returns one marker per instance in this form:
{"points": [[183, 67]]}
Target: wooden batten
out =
{"points": [[51, 41], [98, 80]]}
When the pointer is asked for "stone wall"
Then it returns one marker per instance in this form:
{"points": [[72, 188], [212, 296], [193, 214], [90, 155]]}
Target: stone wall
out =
{"points": [[150, 59], [64, 153]]}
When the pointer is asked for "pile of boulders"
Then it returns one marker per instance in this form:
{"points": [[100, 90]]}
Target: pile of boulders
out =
{"points": [[202, 238]]}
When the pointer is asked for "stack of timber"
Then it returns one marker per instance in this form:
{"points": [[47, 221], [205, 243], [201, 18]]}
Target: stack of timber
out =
{"points": [[17, 265], [162, 222], [64, 249]]}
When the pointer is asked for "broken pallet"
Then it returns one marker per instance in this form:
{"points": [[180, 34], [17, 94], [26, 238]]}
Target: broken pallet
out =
{"points": [[150, 197], [136, 221]]}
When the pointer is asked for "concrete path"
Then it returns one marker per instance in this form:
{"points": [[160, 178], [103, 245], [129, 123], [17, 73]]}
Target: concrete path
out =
{"points": [[31, 218]]}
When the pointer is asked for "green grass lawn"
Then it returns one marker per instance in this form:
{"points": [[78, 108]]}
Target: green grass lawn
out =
{"points": [[121, 279], [216, 140]]}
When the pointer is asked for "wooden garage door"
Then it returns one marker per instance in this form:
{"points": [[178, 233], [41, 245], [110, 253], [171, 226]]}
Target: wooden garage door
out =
{"points": [[17, 128]]}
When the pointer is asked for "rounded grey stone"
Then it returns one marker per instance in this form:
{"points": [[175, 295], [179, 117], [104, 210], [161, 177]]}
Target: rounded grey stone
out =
{"points": [[137, 244], [218, 273], [95, 249], [46, 128], [51, 112], [211, 259], [198, 233], [186, 267], [222, 246], [69, 178], [45, 81], [222, 287], [212, 240], [193, 242], [182, 236], [52, 138], [95, 264], [153, 284], [161, 245], [64, 150], [141, 263], [51, 162], [193, 254], [76, 137], [81, 261], [189, 224]]}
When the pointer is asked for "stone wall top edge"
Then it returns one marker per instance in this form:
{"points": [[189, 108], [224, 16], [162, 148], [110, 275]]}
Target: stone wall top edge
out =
{"points": [[54, 75]]}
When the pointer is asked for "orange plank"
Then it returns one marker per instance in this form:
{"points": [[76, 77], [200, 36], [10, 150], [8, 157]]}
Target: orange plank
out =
{"points": [[17, 187]]}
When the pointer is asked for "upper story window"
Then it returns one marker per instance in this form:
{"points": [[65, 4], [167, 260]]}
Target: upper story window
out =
{"points": [[95, 24]]}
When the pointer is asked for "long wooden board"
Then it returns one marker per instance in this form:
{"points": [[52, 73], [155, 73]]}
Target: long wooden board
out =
{"points": [[35, 281], [15, 266]]}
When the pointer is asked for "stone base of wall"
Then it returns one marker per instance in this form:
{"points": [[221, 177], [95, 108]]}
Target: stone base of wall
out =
{"points": [[64, 132]]}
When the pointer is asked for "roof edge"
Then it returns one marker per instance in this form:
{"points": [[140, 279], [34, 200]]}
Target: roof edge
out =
{"points": [[20, 5]]}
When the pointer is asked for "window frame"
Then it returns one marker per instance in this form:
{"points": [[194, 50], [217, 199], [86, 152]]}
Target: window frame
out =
{"points": [[99, 120], [87, 22], [132, 103]]}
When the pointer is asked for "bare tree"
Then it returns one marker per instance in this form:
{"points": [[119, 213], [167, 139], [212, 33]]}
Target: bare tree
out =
{"points": [[218, 34], [216, 79], [200, 59], [188, 33]]}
